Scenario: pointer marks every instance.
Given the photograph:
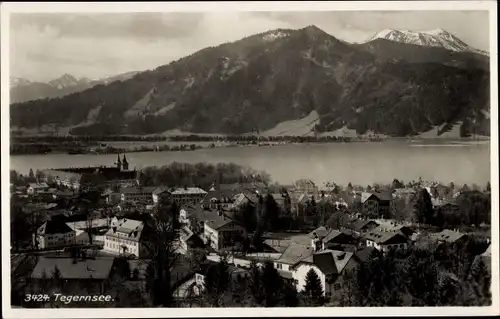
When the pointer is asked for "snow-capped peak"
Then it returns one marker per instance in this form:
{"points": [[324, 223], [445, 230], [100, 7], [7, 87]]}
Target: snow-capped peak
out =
{"points": [[437, 31], [66, 80], [274, 35], [15, 82], [433, 38]]}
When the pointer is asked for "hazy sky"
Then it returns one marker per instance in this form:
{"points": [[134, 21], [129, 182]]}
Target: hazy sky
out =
{"points": [[45, 46]]}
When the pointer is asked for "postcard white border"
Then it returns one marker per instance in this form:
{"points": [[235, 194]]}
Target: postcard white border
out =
{"points": [[26, 7]]}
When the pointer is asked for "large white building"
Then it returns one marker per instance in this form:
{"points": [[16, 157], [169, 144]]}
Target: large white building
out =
{"points": [[127, 238], [54, 234], [137, 194]]}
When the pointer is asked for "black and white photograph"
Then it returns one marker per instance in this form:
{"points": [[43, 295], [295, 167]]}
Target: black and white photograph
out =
{"points": [[338, 157]]}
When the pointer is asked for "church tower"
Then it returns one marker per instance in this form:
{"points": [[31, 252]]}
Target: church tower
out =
{"points": [[118, 163], [125, 163]]}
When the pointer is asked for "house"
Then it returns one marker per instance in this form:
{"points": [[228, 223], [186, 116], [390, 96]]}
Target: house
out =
{"points": [[219, 199], [333, 239], [361, 226], [137, 194], [279, 242], [254, 187], [450, 237], [306, 186], [37, 188], [385, 240], [194, 285], [376, 204], [299, 202], [128, 237], [54, 233], [245, 198], [187, 195], [68, 179], [445, 207], [329, 265], [219, 230], [89, 274], [188, 240], [393, 225]]}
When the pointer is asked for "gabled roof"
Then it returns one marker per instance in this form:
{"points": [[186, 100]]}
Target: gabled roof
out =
{"points": [[132, 228], [320, 232], [359, 224], [86, 269], [219, 195], [331, 262], [448, 235], [382, 196], [384, 237], [364, 254], [189, 191], [211, 218], [54, 226], [295, 253]]}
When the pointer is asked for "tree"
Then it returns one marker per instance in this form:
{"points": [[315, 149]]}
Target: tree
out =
{"points": [[313, 289], [488, 187], [122, 267], [246, 215], [217, 282], [272, 284], [270, 213], [256, 284], [161, 234], [290, 296], [397, 184], [424, 210], [31, 176], [57, 278]]}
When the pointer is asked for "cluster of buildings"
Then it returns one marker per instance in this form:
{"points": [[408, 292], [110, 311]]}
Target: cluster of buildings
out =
{"points": [[332, 250]]}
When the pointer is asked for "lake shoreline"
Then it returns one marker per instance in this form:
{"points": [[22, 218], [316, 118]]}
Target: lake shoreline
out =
{"points": [[360, 163]]}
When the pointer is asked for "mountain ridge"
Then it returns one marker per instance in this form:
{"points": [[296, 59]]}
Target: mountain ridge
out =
{"points": [[23, 90], [275, 76], [432, 38]]}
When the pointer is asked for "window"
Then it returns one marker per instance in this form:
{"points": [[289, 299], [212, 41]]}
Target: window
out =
{"points": [[336, 286], [279, 266]]}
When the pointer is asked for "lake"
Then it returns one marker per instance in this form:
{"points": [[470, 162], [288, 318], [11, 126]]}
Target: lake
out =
{"points": [[360, 163]]}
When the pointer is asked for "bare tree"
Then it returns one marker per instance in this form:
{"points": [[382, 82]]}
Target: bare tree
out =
{"points": [[161, 242]]}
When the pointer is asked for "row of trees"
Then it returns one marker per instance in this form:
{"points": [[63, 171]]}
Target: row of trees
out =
{"points": [[470, 208], [424, 276], [200, 174], [258, 287]]}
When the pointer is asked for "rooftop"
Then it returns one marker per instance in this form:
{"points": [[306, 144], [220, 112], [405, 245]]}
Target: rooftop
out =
{"points": [[54, 226], [133, 229], [189, 191], [331, 261], [384, 237], [294, 253], [85, 269], [448, 235]]}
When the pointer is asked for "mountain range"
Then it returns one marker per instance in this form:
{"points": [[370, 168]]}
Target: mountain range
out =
{"points": [[388, 85], [22, 90]]}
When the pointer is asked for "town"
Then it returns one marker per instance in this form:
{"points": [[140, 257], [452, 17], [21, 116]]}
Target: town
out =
{"points": [[203, 235]]}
